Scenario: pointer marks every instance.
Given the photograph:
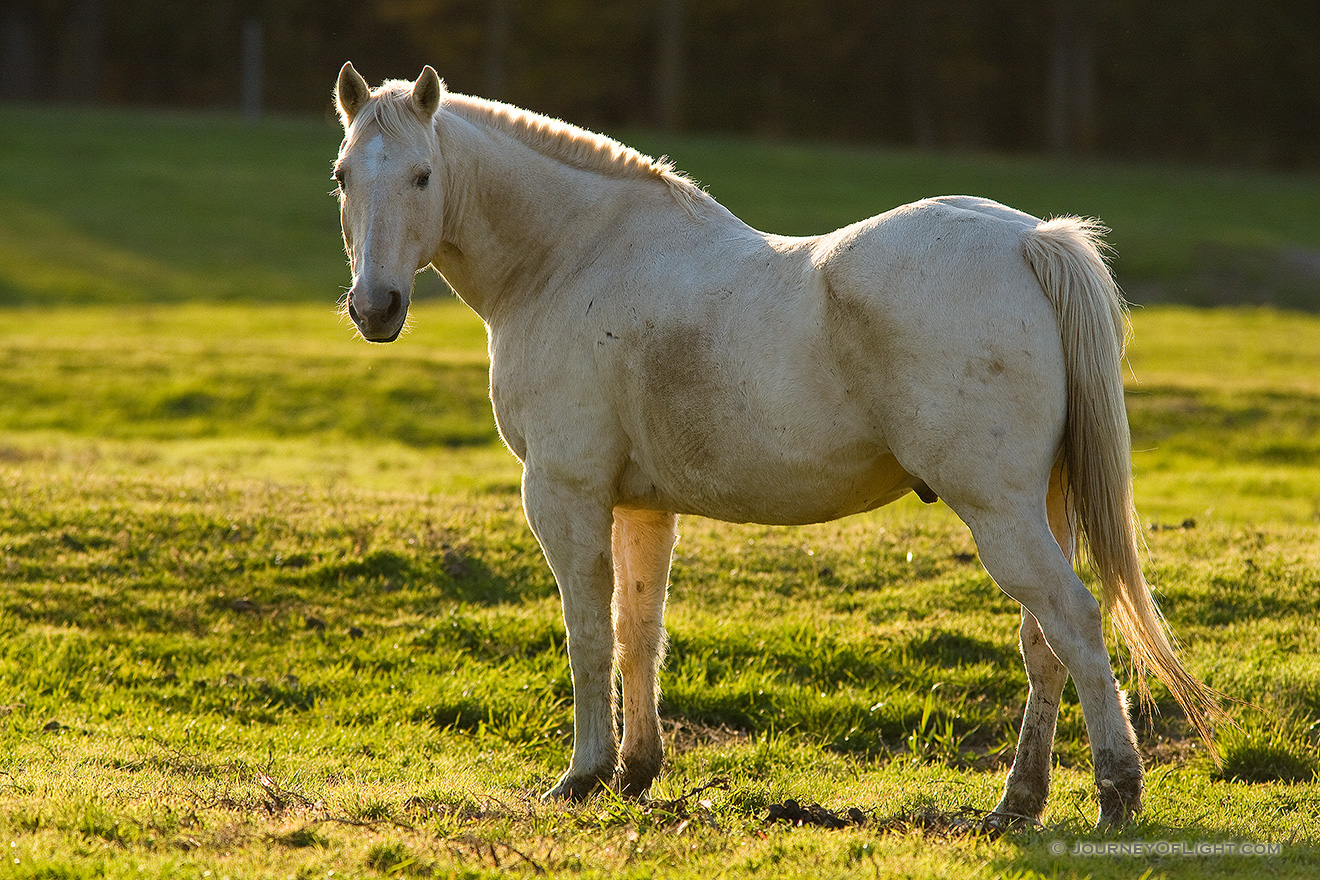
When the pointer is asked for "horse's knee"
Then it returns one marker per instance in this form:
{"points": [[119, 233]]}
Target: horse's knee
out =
{"points": [[639, 629], [1043, 666]]}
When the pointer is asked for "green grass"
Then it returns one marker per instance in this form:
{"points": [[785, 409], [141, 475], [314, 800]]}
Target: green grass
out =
{"points": [[241, 638], [271, 608], [103, 207]]}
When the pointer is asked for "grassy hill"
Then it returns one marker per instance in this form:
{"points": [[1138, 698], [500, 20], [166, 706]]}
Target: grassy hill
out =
{"points": [[148, 207]]}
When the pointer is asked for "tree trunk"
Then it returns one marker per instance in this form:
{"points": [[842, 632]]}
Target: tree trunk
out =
{"points": [[253, 74], [499, 21], [78, 53], [915, 20], [18, 43], [669, 69], [1071, 123]]}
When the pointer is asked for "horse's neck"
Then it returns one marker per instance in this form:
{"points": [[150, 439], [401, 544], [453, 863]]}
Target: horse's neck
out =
{"points": [[514, 216]]}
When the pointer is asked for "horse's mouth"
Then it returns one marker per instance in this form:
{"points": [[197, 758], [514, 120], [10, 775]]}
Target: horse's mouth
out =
{"points": [[376, 334]]}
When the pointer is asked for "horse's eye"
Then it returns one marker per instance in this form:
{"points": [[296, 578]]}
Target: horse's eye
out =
{"points": [[422, 179], [340, 182]]}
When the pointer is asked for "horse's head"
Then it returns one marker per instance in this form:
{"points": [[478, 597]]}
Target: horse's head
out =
{"points": [[389, 205]]}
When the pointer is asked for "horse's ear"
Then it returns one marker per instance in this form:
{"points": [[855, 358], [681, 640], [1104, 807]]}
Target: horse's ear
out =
{"points": [[351, 93], [427, 91]]}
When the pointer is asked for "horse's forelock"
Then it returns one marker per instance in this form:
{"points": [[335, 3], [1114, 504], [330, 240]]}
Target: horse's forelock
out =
{"points": [[390, 109]]}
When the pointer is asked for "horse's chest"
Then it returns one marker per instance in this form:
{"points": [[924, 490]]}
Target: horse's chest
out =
{"points": [[548, 402]]}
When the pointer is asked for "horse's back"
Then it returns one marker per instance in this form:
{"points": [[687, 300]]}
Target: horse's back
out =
{"points": [[952, 266], [929, 240]]}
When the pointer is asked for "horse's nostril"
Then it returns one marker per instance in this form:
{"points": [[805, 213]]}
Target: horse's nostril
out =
{"points": [[396, 302]]}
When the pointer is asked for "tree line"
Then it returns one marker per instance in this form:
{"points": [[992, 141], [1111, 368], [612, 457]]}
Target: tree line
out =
{"points": [[1216, 81]]}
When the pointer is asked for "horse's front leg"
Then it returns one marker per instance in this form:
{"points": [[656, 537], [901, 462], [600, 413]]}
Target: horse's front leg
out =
{"points": [[573, 527]]}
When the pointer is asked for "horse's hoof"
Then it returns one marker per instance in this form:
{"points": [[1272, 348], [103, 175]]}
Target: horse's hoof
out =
{"points": [[1002, 820], [635, 777], [1115, 820], [634, 786], [1117, 808], [1020, 806], [572, 788], [998, 823]]}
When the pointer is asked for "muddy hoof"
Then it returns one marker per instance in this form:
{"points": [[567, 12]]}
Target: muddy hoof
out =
{"points": [[1117, 808], [1000, 822], [635, 779], [633, 787]]}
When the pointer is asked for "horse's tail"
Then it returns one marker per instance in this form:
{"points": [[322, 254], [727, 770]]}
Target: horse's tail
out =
{"points": [[1066, 255]]}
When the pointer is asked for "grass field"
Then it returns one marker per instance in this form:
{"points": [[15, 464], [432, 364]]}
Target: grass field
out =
{"points": [[271, 608]]}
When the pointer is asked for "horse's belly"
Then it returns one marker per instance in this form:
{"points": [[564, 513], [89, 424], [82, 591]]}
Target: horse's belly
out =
{"points": [[765, 490]]}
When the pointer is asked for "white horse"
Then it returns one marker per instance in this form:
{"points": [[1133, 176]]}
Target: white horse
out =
{"points": [[653, 355]]}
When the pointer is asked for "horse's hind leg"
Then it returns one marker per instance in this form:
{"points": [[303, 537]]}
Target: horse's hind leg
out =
{"points": [[1020, 553], [1028, 783], [643, 543]]}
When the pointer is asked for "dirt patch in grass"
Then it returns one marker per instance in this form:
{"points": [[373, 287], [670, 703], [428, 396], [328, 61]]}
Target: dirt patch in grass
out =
{"points": [[681, 735]]}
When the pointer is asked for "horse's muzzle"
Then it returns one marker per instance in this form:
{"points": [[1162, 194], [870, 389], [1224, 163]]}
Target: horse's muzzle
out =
{"points": [[379, 315]]}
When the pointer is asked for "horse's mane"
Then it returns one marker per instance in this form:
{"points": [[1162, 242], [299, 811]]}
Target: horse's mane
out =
{"points": [[554, 138]]}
